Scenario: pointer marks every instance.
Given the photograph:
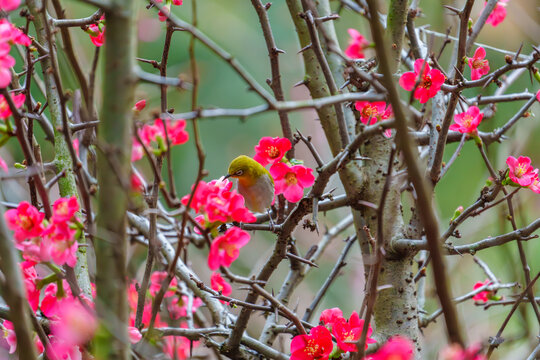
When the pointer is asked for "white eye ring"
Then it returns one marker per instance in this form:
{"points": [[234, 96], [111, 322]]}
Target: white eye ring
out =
{"points": [[239, 173]]}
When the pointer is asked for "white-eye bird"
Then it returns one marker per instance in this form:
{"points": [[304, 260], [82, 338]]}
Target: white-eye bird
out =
{"points": [[255, 183]]}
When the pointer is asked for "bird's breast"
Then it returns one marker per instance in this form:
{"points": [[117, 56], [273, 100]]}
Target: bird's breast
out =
{"points": [[259, 195]]}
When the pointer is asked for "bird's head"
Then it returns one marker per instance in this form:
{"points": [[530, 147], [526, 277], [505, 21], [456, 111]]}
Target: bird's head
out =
{"points": [[246, 170]]}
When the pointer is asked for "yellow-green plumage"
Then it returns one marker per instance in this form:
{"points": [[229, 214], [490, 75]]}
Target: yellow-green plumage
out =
{"points": [[255, 183]]}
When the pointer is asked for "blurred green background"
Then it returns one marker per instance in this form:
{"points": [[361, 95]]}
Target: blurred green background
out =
{"points": [[234, 25]]}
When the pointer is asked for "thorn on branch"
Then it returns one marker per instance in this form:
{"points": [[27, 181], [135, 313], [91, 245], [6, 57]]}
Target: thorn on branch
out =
{"points": [[453, 9], [327, 18], [307, 47], [300, 83], [301, 259], [276, 51]]}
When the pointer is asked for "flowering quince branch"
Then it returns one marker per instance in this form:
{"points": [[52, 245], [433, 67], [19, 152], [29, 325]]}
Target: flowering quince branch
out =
{"points": [[182, 299], [425, 320], [286, 106], [78, 22], [428, 220]]}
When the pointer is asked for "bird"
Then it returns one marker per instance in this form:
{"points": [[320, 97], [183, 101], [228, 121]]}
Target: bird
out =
{"points": [[255, 183]]}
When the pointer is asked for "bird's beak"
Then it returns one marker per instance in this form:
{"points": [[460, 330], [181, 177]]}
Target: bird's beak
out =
{"points": [[227, 176]]}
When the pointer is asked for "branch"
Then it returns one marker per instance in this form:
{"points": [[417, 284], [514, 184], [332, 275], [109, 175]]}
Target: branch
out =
{"points": [[197, 334], [423, 195], [161, 80], [115, 144], [280, 106], [425, 321], [62, 22]]}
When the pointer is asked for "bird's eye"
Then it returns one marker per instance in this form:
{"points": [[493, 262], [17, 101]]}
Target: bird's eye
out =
{"points": [[239, 173]]}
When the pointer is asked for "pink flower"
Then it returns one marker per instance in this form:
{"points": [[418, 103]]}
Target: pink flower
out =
{"points": [[9, 5], [137, 183], [227, 205], [134, 335], [53, 299], [483, 295], [535, 185], [538, 95], [6, 62], [30, 278], [177, 347], [219, 203], [64, 209], [478, 64], [357, 44], [376, 111], [97, 32], [315, 346], [177, 133], [498, 14], [467, 122], [139, 105], [5, 110], [9, 335], [164, 12], [75, 324], [178, 306], [61, 350], [3, 165], [132, 296], [11, 34], [521, 172], [33, 250], [76, 145], [226, 248], [291, 180], [220, 285], [26, 221], [331, 316], [60, 244], [456, 352], [271, 150], [155, 133], [137, 150], [397, 348], [157, 278], [429, 81], [347, 333]]}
